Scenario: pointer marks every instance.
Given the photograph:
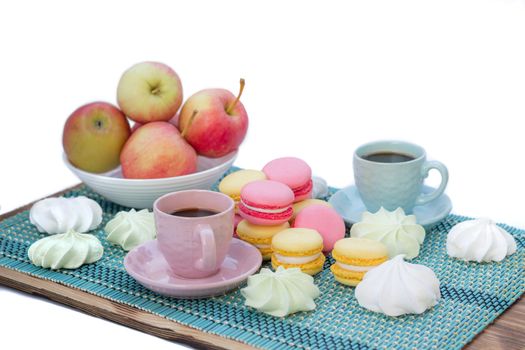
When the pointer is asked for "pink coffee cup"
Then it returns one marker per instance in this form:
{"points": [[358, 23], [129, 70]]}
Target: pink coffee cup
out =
{"points": [[194, 247]]}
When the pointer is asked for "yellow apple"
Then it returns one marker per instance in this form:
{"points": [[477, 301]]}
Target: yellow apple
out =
{"points": [[149, 91], [94, 135]]}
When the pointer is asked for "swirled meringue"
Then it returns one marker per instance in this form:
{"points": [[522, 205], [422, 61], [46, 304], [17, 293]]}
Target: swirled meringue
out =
{"points": [[58, 215], [131, 228], [399, 232], [397, 287], [282, 292], [479, 240], [320, 187], [65, 250]]}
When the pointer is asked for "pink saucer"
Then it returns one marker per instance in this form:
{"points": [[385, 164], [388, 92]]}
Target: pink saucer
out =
{"points": [[146, 264]]}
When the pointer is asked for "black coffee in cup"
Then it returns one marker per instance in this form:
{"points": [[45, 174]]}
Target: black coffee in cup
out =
{"points": [[193, 212], [388, 157]]}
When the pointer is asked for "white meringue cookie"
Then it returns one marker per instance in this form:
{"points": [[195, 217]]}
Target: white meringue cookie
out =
{"points": [[397, 287], [479, 240], [320, 187], [129, 229], [65, 250], [58, 215], [282, 292], [399, 232]]}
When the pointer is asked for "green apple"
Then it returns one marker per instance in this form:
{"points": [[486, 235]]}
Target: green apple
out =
{"points": [[94, 135]]}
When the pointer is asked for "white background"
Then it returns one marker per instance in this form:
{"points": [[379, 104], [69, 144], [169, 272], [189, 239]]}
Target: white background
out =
{"points": [[322, 78]]}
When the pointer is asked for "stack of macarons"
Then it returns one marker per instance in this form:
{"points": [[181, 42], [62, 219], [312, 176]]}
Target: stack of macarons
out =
{"points": [[269, 201]]}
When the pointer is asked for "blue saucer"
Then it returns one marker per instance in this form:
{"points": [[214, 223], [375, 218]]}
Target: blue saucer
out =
{"points": [[347, 202]]}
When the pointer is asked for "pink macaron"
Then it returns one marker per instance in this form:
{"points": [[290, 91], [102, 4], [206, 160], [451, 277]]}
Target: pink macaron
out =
{"points": [[293, 172], [324, 220], [266, 202]]}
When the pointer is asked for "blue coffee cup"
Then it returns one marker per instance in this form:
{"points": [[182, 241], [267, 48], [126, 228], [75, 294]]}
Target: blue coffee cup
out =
{"points": [[390, 174]]}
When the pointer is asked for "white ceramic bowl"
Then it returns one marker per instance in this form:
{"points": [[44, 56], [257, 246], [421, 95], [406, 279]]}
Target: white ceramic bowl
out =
{"points": [[141, 193]]}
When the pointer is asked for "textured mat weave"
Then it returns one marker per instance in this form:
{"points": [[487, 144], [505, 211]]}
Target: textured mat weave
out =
{"points": [[473, 296]]}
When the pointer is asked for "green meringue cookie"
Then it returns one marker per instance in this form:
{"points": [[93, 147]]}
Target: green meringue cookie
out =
{"points": [[281, 293], [399, 232], [68, 250], [129, 229]]}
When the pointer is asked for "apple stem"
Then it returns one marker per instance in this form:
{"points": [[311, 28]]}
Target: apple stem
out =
{"points": [[232, 106], [185, 131]]}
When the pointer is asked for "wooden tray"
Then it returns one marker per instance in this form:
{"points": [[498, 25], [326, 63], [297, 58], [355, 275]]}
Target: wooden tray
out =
{"points": [[507, 332]]}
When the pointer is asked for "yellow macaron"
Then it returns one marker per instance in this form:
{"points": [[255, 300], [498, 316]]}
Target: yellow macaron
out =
{"points": [[260, 236], [298, 206], [354, 257], [298, 247], [232, 184]]}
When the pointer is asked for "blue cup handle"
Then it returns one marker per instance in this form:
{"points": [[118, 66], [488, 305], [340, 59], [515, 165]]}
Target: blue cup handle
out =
{"points": [[428, 197]]}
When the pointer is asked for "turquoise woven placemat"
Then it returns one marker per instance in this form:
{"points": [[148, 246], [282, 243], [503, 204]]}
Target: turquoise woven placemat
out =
{"points": [[473, 295]]}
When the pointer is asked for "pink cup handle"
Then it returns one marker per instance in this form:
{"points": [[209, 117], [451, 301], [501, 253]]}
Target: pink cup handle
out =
{"points": [[208, 262]]}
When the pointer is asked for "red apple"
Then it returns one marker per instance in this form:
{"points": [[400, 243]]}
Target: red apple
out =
{"points": [[156, 150], [149, 91], [214, 121], [94, 135]]}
